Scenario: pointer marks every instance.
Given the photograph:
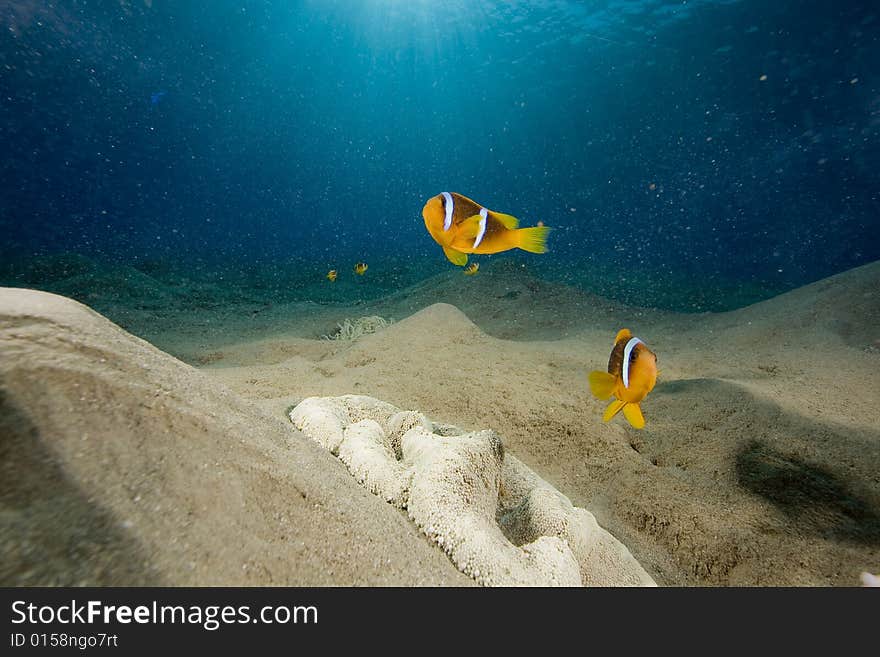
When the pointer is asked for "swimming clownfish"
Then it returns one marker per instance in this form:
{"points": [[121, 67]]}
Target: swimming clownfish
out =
{"points": [[360, 268], [462, 226], [472, 269], [632, 373], [331, 275]]}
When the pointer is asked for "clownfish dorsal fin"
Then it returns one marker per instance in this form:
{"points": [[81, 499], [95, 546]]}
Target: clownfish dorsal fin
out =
{"points": [[508, 221], [623, 334], [633, 415]]}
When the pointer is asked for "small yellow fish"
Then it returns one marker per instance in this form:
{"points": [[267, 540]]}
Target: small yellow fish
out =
{"points": [[360, 268], [331, 275], [462, 226], [472, 269], [632, 373]]}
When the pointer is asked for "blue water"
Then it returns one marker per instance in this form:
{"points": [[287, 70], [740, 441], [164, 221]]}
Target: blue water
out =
{"points": [[701, 140]]}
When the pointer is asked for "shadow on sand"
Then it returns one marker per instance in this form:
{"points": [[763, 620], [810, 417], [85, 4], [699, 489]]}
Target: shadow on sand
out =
{"points": [[814, 498]]}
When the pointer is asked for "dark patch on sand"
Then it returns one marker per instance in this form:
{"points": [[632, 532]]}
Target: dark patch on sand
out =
{"points": [[813, 497], [52, 534]]}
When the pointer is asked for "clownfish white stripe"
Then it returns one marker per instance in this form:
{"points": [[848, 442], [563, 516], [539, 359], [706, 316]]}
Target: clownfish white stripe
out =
{"points": [[483, 213], [627, 353], [447, 222]]}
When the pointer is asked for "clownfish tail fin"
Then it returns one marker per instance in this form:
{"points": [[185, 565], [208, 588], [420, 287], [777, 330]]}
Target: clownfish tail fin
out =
{"points": [[533, 240], [601, 384]]}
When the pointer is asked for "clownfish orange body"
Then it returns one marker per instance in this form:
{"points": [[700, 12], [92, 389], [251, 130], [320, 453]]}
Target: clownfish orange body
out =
{"points": [[632, 373], [462, 226]]}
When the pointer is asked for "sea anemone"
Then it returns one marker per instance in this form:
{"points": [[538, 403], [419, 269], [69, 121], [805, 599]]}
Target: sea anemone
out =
{"points": [[353, 329]]}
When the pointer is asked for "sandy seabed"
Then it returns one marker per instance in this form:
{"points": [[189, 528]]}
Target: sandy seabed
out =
{"points": [[124, 464]]}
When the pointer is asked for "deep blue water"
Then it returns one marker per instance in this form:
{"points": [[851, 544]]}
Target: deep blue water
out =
{"points": [[731, 138]]}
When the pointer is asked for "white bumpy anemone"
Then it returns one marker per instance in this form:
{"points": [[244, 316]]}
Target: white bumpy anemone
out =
{"points": [[497, 520]]}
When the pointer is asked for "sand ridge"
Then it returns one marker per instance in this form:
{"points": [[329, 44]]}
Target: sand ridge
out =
{"points": [[124, 466]]}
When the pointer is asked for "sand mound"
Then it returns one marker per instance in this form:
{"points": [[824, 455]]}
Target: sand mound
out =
{"points": [[495, 518], [847, 305], [120, 465], [446, 322]]}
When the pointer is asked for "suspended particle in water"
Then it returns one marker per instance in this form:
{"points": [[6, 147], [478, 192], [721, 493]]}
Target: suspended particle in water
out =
{"points": [[763, 78], [652, 186]]}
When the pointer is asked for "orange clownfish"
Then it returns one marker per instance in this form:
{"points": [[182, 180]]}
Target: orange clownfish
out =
{"points": [[472, 269], [462, 226], [632, 373], [331, 275], [360, 268]]}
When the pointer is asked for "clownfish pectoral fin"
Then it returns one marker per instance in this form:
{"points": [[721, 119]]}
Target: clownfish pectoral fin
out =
{"points": [[533, 240], [508, 221], [601, 384], [613, 409], [455, 257], [469, 228], [633, 414]]}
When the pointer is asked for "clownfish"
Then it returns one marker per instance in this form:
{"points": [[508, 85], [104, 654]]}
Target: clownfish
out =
{"points": [[360, 268], [331, 275], [462, 226], [632, 373], [472, 269]]}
